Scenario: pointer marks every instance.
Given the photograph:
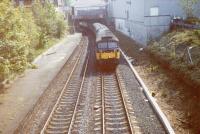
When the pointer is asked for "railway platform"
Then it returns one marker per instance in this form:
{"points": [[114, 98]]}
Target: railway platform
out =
{"points": [[16, 102]]}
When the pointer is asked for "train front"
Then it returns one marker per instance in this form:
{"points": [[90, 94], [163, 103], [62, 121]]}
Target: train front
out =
{"points": [[107, 51]]}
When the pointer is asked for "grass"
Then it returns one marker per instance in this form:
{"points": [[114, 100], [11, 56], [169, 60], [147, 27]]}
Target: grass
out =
{"points": [[173, 48]]}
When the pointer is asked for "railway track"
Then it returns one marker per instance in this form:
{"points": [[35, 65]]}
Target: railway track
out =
{"points": [[113, 110], [62, 117]]}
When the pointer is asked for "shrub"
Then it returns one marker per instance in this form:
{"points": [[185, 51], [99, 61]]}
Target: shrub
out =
{"points": [[4, 69], [22, 31], [173, 47], [50, 22], [18, 33], [42, 40], [61, 26]]}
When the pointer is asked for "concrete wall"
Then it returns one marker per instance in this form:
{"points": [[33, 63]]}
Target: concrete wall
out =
{"points": [[118, 14], [116, 9], [140, 24], [166, 7]]}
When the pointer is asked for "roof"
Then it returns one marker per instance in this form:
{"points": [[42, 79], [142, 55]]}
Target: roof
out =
{"points": [[103, 32]]}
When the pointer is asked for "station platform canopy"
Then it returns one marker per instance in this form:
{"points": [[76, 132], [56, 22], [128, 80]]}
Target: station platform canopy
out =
{"points": [[88, 3]]}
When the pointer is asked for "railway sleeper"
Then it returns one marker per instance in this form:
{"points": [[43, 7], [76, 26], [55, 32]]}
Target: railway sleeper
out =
{"points": [[118, 130], [55, 132], [63, 111], [110, 109], [116, 119], [62, 115], [116, 106], [116, 114], [57, 127], [60, 119], [121, 123], [56, 123]]}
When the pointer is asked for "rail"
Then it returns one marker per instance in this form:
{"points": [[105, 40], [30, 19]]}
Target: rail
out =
{"points": [[155, 106], [43, 131], [114, 82]]}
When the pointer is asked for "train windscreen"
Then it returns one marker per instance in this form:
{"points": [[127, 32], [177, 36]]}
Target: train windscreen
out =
{"points": [[112, 45], [102, 45], [107, 45]]}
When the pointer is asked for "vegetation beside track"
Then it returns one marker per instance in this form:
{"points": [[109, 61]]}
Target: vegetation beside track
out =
{"points": [[24, 34], [171, 50], [177, 100], [180, 49]]}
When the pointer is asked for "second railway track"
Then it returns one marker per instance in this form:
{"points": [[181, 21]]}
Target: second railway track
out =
{"points": [[62, 117]]}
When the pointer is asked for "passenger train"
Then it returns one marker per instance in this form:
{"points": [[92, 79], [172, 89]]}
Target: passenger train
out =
{"points": [[106, 44]]}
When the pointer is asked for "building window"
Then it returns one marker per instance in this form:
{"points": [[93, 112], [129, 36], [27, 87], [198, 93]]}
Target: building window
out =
{"points": [[154, 11]]}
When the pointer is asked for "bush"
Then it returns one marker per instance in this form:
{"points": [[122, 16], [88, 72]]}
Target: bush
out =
{"points": [[22, 31], [61, 26], [50, 22], [18, 33], [173, 48], [4, 69]]}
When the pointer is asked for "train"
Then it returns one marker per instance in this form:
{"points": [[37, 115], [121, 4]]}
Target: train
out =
{"points": [[106, 44]]}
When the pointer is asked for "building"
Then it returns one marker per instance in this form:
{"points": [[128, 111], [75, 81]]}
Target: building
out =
{"points": [[143, 20]]}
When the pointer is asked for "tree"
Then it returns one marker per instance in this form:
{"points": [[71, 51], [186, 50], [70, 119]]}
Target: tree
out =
{"points": [[189, 7], [18, 33]]}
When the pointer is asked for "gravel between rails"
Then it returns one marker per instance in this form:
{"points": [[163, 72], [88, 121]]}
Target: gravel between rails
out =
{"points": [[84, 109], [37, 116]]}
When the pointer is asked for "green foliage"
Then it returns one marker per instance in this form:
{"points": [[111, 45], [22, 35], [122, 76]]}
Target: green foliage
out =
{"points": [[22, 32], [61, 26], [197, 33], [18, 32], [50, 22], [4, 68], [45, 17], [173, 48]]}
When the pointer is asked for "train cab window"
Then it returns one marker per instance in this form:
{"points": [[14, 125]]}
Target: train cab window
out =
{"points": [[112, 45], [102, 45]]}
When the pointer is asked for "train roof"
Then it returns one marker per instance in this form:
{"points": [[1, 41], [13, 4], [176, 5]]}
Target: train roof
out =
{"points": [[103, 33]]}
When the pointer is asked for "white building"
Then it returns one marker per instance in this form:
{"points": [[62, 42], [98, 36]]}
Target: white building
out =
{"points": [[143, 20]]}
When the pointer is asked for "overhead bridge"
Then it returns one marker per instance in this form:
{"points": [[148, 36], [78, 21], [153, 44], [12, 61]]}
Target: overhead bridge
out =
{"points": [[86, 10]]}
